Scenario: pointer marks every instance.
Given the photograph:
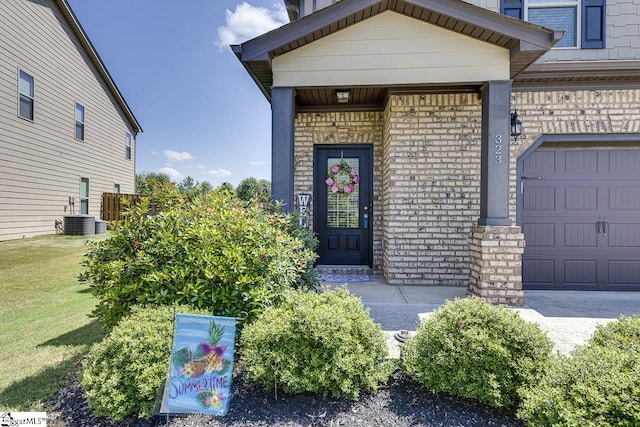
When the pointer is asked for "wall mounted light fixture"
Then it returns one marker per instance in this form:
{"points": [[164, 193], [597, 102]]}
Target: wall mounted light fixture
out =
{"points": [[516, 126], [343, 95]]}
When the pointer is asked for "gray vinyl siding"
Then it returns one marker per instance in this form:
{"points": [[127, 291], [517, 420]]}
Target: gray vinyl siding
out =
{"points": [[41, 162], [493, 5], [622, 34]]}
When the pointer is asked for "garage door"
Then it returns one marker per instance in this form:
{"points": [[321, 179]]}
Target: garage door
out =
{"points": [[580, 216]]}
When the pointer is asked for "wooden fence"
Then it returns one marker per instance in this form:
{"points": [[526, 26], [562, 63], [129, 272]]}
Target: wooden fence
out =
{"points": [[112, 207]]}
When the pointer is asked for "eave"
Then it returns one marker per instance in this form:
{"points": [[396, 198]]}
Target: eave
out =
{"points": [[95, 59], [580, 74], [526, 42]]}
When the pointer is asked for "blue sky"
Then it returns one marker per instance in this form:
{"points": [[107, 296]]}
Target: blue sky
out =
{"points": [[201, 113]]}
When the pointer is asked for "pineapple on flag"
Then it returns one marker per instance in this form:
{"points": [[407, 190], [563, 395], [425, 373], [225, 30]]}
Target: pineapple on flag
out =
{"points": [[199, 377]]}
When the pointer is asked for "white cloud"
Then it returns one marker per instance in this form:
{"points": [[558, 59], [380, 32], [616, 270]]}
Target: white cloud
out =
{"points": [[173, 174], [155, 153], [219, 173], [250, 21], [177, 156], [258, 163]]}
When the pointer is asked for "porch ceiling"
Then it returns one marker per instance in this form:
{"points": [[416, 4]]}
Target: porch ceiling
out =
{"points": [[526, 42], [366, 97]]}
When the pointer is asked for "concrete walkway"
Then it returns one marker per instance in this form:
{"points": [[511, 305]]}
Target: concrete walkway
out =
{"points": [[568, 317]]}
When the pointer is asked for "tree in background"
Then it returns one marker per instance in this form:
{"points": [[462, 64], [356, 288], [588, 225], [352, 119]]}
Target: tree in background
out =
{"points": [[255, 189], [147, 183], [192, 189], [226, 186]]}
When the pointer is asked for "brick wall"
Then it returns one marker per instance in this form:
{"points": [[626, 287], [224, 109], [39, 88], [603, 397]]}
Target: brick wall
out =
{"points": [[431, 175], [340, 128]]}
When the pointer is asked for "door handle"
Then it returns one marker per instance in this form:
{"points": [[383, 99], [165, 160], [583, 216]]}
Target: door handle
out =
{"points": [[365, 220], [605, 226], [599, 226]]}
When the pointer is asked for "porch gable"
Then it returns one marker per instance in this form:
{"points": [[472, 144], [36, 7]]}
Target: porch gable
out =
{"points": [[391, 49]]}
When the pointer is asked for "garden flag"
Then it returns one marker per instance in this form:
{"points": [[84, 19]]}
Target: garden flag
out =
{"points": [[199, 378]]}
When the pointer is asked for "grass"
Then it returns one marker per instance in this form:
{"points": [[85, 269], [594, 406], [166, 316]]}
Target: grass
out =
{"points": [[45, 327]]}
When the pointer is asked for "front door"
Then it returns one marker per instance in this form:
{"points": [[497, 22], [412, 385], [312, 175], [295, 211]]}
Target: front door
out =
{"points": [[343, 183]]}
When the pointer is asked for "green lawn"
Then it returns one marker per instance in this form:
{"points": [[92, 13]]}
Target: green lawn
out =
{"points": [[44, 327]]}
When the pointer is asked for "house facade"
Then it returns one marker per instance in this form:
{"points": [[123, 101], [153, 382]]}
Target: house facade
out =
{"points": [[66, 133], [409, 106]]}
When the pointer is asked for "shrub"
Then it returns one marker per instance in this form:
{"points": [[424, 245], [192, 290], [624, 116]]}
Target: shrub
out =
{"points": [[216, 252], [472, 349], [323, 343], [623, 334], [122, 374], [598, 385]]}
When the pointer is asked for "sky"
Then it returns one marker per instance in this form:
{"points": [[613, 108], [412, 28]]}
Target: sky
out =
{"points": [[201, 113]]}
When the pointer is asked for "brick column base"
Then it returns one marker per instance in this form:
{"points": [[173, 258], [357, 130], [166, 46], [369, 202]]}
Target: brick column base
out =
{"points": [[496, 264]]}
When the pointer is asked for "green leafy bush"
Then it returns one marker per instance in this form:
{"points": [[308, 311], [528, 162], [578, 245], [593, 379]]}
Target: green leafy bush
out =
{"points": [[323, 343], [216, 252], [597, 386], [472, 349], [122, 374], [623, 334]]}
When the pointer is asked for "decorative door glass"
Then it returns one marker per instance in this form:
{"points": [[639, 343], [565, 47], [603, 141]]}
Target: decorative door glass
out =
{"points": [[343, 204]]}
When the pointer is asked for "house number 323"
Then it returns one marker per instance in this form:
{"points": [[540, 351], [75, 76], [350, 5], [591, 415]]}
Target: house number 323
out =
{"points": [[498, 150]]}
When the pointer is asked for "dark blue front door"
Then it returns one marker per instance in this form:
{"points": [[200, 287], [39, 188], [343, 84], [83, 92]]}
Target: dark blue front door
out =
{"points": [[343, 209]]}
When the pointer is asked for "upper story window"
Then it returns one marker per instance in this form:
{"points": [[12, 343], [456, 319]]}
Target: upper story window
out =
{"points": [[26, 97], [79, 122], [583, 21], [116, 188], [557, 15], [128, 146]]}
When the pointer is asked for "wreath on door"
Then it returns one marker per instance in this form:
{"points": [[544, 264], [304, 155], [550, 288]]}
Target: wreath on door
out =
{"points": [[335, 178]]}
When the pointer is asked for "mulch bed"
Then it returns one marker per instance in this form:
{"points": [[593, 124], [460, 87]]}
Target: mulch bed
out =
{"points": [[401, 403]]}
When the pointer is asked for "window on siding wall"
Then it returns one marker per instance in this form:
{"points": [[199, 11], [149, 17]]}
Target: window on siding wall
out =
{"points": [[79, 122], [26, 97], [557, 16], [84, 196], [583, 21], [116, 188], [128, 146]]}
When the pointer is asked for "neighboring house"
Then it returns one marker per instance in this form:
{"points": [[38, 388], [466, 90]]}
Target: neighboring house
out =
{"points": [[66, 133], [417, 96]]}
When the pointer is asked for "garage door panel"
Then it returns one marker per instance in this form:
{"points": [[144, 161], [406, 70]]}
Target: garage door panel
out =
{"points": [[624, 272], [581, 198], [580, 272], [624, 235], [624, 161], [539, 234], [581, 162], [540, 198], [582, 235], [624, 198], [540, 163], [539, 271]]}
